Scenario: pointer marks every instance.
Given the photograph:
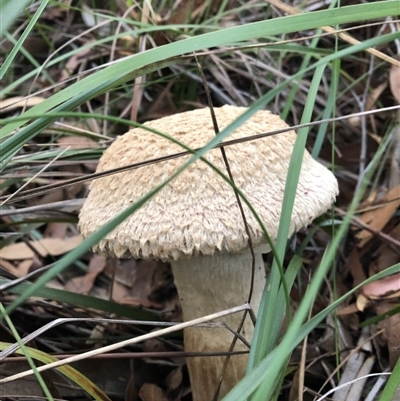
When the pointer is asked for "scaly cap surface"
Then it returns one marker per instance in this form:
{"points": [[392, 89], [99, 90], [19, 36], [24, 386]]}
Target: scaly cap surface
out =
{"points": [[197, 212]]}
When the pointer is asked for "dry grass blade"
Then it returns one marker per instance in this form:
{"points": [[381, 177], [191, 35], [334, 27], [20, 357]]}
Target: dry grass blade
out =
{"points": [[344, 36], [88, 177], [111, 62], [131, 341]]}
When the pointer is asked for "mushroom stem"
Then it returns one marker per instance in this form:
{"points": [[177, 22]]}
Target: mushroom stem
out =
{"points": [[208, 284]]}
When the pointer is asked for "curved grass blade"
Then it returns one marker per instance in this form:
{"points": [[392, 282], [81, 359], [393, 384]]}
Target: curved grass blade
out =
{"points": [[79, 379], [108, 227], [261, 380], [24, 351], [393, 385], [268, 321], [84, 301], [9, 12], [148, 61]]}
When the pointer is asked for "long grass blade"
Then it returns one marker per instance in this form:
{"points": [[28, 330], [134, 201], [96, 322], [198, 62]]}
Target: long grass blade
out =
{"points": [[150, 60]]}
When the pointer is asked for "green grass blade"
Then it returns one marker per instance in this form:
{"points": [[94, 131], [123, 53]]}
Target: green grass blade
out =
{"points": [[270, 365], [84, 301], [269, 368], [393, 384], [19, 47], [145, 62], [26, 353], [329, 108], [11, 12], [82, 381], [89, 242], [267, 331], [12, 144]]}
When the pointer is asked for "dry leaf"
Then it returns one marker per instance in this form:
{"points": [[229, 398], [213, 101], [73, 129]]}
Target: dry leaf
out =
{"points": [[9, 267], [77, 142], [395, 159], [378, 217], [139, 303], [394, 78], [73, 63], [73, 190], [44, 247], [387, 254], [56, 230], [151, 392], [374, 96], [143, 283], [51, 197], [186, 10], [131, 393], [294, 386], [83, 284], [173, 380], [161, 280], [154, 345], [25, 267], [172, 310], [119, 292], [348, 310], [183, 12], [355, 267], [18, 102], [391, 334]]}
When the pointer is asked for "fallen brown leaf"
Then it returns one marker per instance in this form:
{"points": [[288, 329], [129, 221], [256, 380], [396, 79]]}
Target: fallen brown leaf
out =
{"points": [[77, 142], [154, 345], [131, 392], [83, 284], [355, 267], [387, 254], [374, 95], [151, 392], [25, 266], [391, 331], [19, 102], [56, 230], [73, 63], [394, 79], [44, 247], [173, 381], [140, 303], [395, 158], [72, 191], [142, 283], [172, 310], [9, 267], [379, 216]]}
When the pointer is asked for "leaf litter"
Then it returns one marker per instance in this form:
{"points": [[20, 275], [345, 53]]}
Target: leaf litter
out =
{"points": [[149, 285]]}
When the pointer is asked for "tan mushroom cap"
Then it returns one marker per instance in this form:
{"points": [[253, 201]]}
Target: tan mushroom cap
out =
{"points": [[197, 213]]}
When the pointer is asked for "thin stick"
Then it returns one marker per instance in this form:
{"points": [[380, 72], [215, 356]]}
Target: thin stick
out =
{"points": [[87, 177], [344, 36], [36, 175], [130, 341], [246, 226]]}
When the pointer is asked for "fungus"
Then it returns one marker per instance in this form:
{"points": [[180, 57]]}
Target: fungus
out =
{"points": [[194, 222]]}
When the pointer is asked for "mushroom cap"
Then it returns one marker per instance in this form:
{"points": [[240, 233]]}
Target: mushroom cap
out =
{"points": [[197, 212]]}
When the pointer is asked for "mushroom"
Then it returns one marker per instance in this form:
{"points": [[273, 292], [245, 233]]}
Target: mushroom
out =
{"points": [[194, 222]]}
